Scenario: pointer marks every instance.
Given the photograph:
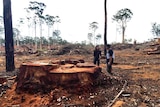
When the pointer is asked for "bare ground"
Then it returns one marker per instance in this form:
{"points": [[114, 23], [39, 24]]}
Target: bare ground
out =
{"points": [[141, 71]]}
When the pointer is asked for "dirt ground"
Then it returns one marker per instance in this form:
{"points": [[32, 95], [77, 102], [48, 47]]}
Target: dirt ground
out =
{"points": [[141, 71]]}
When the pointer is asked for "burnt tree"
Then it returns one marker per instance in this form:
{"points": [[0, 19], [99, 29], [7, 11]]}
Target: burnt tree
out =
{"points": [[9, 45], [105, 25]]}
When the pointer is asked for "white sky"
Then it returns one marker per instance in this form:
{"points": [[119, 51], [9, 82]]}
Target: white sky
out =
{"points": [[76, 15]]}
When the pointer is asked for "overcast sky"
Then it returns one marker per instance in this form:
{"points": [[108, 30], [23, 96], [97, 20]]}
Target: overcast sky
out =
{"points": [[76, 15]]}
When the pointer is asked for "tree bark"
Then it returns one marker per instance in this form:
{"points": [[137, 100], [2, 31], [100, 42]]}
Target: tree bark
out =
{"points": [[123, 34], [38, 75], [105, 25], [9, 44]]}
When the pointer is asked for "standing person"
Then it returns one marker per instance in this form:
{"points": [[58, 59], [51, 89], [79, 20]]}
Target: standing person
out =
{"points": [[109, 58], [97, 55]]}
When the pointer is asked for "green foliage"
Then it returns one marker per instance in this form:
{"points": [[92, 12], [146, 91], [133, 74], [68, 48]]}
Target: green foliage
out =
{"points": [[156, 29], [128, 40], [38, 7], [56, 33], [49, 20], [93, 26], [123, 15]]}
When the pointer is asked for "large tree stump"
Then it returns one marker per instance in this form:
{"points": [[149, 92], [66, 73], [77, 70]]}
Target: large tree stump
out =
{"points": [[38, 75]]}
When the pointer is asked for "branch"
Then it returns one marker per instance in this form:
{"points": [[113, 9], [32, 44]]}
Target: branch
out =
{"points": [[113, 101]]}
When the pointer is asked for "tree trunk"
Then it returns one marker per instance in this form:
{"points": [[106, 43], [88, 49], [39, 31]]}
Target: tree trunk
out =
{"points": [[35, 35], [94, 39], [48, 37], [41, 35], [105, 25], [40, 76], [18, 40], [123, 34], [9, 44]]}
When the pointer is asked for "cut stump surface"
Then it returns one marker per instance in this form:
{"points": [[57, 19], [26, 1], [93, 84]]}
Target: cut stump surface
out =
{"points": [[38, 74]]}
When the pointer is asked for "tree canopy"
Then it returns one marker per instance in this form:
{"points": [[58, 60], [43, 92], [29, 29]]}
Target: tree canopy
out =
{"points": [[122, 17]]}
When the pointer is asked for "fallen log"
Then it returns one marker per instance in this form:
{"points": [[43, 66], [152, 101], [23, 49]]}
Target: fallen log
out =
{"points": [[153, 52]]}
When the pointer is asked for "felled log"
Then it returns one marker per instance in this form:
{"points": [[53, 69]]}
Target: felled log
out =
{"points": [[153, 52], [37, 75]]}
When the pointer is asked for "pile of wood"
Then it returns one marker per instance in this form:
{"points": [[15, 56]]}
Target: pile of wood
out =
{"points": [[153, 49]]}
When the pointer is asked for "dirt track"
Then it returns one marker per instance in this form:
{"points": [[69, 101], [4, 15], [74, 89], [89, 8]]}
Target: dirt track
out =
{"points": [[141, 71]]}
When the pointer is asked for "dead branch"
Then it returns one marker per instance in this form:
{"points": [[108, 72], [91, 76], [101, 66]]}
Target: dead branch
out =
{"points": [[123, 88]]}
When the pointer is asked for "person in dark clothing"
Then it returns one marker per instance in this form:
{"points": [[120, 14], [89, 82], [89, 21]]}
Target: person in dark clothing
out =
{"points": [[97, 55], [109, 58]]}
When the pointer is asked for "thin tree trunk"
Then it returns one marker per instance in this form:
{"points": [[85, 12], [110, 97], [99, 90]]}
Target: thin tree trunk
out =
{"points": [[35, 36], [94, 39], [18, 40], [9, 44], [123, 33], [105, 25], [41, 35], [48, 37]]}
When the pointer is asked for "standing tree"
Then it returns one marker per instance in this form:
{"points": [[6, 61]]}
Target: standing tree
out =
{"points": [[1, 24], [57, 20], [9, 44], [38, 9], [50, 22], [20, 22], [90, 36], [105, 25], [16, 34], [1, 29], [156, 29], [122, 17], [28, 17], [93, 26], [98, 38]]}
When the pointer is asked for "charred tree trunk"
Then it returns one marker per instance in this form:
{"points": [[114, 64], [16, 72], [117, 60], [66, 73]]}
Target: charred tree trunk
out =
{"points": [[105, 25], [9, 44]]}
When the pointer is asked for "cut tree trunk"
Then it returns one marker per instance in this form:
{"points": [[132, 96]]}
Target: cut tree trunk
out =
{"points": [[41, 76], [155, 50]]}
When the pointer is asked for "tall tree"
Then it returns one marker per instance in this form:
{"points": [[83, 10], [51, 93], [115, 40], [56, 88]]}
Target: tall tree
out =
{"points": [[50, 22], [122, 17], [93, 26], [1, 25], [105, 25], [57, 20], [98, 38], [16, 34], [38, 8], [17, 31], [90, 36], [9, 44]]}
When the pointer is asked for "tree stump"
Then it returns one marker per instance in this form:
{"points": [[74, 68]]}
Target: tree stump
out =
{"points": [[44, 76]]}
